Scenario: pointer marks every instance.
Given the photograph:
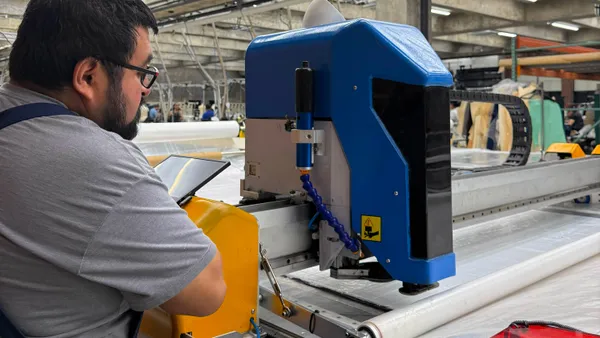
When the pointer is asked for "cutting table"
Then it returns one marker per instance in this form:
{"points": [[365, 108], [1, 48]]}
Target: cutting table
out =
{"points": [[484, 247]]}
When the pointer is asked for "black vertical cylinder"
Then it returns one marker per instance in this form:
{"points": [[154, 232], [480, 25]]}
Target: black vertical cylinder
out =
{"points": [[304, 89], [425, 21]]}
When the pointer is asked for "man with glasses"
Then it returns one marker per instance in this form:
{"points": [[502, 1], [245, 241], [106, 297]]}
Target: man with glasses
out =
{"points": [[89, 236]]}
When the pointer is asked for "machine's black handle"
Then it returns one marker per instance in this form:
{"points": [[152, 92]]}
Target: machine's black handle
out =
{"points": [[304, 89]]}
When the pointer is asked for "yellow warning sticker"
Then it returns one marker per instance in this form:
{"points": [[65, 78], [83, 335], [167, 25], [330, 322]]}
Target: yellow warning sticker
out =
{"points": [[371, 228]]}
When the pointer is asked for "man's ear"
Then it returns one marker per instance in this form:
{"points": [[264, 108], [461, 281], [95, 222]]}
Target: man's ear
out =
{"points": [[86, 78]]}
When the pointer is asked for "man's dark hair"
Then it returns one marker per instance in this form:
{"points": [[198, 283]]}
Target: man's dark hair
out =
{"points": [[55, 35]]}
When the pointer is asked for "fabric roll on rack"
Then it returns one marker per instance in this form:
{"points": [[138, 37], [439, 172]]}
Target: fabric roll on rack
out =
{"points": [[186, 131]]}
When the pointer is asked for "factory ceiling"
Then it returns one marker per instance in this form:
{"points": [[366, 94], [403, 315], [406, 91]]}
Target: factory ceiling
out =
{"points": [[459, 27]]}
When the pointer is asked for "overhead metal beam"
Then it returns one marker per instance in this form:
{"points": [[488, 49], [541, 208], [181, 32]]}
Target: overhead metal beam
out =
{"points": [[207, 31], [277, 20], [558, 10], [588, 22], [182, 7], [234, 14], [444, 46], [473, 23], [174, 49], [202, 41], [484, 40], [349, 11], [183, 57], [466, 23], [545, 33], [230, 66], [506, 9], [477, 50], [585, 34]]}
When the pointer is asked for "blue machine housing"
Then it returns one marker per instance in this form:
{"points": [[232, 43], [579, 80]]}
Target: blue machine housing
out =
{"points": [[388, 171]]}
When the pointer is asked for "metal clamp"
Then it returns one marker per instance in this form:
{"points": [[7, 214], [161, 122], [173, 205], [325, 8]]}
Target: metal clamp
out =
{"points": [[308, 136], [276, 288]]}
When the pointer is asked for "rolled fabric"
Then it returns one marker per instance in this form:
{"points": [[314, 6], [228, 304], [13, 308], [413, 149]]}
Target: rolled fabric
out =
{"points": [[432, 312], [186, 131]]}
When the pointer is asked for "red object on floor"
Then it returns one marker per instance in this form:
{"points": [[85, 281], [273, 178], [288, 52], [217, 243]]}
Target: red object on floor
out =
{"points": [[542, 330]]}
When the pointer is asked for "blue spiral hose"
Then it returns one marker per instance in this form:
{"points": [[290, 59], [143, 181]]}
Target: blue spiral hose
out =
{"points": [[349, 243]]}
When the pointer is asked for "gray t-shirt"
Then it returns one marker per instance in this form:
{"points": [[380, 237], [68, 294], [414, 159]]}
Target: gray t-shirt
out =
{"points": [[88, 231]]}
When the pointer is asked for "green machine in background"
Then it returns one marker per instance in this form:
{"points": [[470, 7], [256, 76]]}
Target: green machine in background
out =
{"points": [[553, 128]]}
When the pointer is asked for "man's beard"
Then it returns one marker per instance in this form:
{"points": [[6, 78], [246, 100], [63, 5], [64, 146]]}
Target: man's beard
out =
{"points": [[115, 119]]}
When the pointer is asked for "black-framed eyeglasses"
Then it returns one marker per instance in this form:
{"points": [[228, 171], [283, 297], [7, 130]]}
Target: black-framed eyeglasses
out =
{"points": [[149, 74]]}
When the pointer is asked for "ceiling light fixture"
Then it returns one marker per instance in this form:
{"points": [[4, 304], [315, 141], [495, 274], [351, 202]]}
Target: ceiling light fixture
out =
{"points": [[565, 25], [440, 11], [508, 35]]}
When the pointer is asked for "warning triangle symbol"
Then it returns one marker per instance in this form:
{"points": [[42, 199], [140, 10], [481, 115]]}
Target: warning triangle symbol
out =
{"points": [[368, 222]]}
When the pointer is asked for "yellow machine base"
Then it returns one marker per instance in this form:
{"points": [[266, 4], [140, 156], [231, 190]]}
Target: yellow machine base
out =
{"points": [[596, 150], [240, 257], [566, 150]]}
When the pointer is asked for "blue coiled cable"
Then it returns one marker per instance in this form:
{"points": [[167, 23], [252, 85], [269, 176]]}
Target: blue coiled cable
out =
{"points": [[349, 243]]}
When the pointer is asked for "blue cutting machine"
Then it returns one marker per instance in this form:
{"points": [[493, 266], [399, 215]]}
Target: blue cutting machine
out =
{"points": [[355, 115]]}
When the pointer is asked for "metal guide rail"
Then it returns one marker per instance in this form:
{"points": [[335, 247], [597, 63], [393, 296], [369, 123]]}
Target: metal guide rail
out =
{"points": [[519, 114], [489, 194]]}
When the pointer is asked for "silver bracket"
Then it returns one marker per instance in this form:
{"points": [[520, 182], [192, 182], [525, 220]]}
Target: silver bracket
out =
{"points": [[324, 323], [308, 136], [316, 137]]}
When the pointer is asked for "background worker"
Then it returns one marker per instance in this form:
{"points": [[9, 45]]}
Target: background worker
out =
{"points": [[175, 115], [152, 113], [209, 114], [89, 235], [573, 122]]}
